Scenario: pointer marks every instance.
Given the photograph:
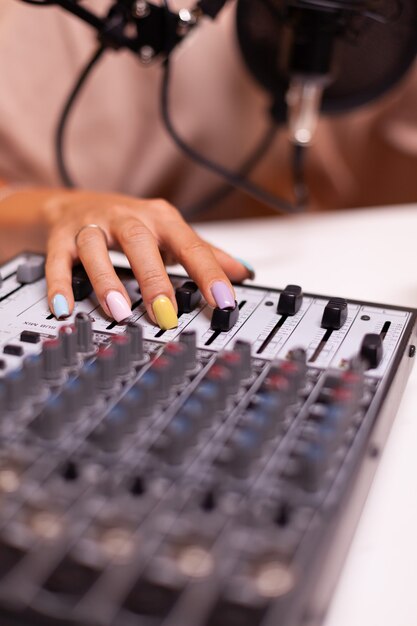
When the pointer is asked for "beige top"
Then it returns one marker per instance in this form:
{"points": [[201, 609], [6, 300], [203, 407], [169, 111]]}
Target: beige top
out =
{"points": [[116, 141]]}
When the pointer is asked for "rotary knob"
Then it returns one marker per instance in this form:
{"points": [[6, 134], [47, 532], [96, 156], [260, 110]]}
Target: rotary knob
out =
{"points": [[110, 433], [244, 349], [121, 345], [232, 360], [84, 333], [138, 403], [312, 463], [51, 420], [52, 357], [74, 398], [163, 367], [178, 352], [15, 390], [222, 378], [134, 331], [32, 367], [68, 337], [189, 339]]}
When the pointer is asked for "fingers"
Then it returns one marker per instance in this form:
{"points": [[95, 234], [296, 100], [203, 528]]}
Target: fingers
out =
{"points": [[200, 262], [160, 225], [93, 254], [91, 248], [141, 248], [58, 272], [237, 269]]}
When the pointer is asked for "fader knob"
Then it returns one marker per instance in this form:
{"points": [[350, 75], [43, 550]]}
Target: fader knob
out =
{"points": [[290, 300], [31, 270], [372, 350], [224, 319], [81, 286], [188, 296], [84, 333], [335, 314]]}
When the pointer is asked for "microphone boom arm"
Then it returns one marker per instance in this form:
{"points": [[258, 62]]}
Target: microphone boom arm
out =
{"points": [[156, 29]]}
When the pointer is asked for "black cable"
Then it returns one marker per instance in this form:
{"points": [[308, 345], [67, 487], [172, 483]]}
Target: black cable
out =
{"points": [[220, 194], [277, 204], [60, 131], [39, 2], [234, 180]]}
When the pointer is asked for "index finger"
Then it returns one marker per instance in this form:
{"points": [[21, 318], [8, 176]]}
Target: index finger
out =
{"points": [[199, 260]]}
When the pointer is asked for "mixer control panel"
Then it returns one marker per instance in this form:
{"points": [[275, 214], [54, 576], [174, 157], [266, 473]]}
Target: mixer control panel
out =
{"points": [[204, 475]]}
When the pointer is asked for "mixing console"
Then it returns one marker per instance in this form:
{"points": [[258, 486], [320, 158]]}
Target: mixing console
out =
{"points": [[209, 475]]}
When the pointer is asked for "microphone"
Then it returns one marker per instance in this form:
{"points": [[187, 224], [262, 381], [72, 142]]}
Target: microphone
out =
{"points": [[327, 56]]}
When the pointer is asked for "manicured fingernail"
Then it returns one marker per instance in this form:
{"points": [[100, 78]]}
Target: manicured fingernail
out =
{"points": [[222, 295], [248, 266], [164, 313], [60, 306], [118, 305]]}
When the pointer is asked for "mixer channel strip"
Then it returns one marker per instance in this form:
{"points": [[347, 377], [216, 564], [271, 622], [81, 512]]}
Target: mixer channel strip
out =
{"points": [[201, 475]]}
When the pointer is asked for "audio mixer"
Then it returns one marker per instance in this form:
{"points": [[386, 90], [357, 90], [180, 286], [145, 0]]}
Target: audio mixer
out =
{"points": [[209, 475]]}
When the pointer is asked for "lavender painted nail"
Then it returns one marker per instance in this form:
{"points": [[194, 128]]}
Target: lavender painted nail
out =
{"points": [[222, 295]]}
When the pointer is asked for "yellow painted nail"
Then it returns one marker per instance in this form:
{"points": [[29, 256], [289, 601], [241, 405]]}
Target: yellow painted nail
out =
{"points": [[164, 313]]}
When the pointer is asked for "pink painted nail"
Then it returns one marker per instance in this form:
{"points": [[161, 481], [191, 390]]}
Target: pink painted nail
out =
{"points": [[118, 305]]}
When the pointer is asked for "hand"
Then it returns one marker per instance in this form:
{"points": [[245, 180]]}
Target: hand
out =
{"points": [[145, 230]]}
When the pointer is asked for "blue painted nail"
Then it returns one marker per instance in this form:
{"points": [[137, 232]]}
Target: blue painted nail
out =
{"points": [[248, 266], [60, 306]]}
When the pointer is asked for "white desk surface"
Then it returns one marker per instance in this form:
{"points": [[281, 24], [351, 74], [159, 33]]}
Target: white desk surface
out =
{"points": [[368, 255]]}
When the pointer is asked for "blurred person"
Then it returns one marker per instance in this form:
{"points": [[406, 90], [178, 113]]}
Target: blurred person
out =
{"points": [[135, 188]]}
